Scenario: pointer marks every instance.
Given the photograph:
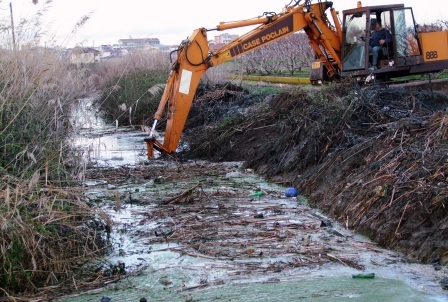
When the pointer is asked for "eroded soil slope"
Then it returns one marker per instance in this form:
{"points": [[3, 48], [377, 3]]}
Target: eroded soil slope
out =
{"points": [[374, 158]]}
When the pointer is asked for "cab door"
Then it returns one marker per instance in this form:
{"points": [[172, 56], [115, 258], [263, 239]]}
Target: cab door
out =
{"points": [[355, 37], [408, 48]]}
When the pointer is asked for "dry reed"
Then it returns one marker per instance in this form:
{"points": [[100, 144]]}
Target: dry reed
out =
{"points": [[48, 233]]}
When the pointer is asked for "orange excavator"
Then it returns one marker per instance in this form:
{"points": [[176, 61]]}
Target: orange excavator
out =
{"points": [[340, 51]]}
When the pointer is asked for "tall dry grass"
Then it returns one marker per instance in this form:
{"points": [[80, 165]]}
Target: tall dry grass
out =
{"points": [[37, 90], [47, 240], [47, 234], [132, 85]]}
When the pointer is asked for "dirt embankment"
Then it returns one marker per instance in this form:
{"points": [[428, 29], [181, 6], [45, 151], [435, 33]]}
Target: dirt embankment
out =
{"points": [[375, 159]]}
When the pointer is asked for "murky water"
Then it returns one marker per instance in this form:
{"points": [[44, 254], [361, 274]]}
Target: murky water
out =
{"points": [[283, 268], [105, 144]]}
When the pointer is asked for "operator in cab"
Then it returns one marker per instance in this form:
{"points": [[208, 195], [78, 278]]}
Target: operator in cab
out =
{"points": [[377, 40]]}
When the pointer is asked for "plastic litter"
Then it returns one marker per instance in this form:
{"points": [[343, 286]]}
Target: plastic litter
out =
{"points": [[256, 194], [291, 192]]}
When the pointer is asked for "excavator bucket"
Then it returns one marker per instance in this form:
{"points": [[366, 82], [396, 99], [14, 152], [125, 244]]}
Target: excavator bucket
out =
{"points": [[150, 147]]}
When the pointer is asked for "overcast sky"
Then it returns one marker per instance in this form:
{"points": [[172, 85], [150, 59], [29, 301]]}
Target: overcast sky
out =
{"points": [[169, 21]]}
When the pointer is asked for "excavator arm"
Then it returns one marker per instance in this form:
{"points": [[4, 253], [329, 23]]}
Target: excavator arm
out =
{"points": [[194, 57]]}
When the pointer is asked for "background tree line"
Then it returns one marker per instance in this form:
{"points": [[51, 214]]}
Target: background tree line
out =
{"points": [[289, 55]]}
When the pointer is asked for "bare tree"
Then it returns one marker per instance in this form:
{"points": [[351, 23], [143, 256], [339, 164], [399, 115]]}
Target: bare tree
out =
{"points": [[437, 26], [294, 52], [247, 62], [266, 59], [291, 53]]}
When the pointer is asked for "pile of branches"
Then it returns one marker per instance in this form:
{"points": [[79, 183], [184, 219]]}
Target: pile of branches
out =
{"points": [[393, 184], [210, 216], [374, 158], [214, 103], [220, 230]]}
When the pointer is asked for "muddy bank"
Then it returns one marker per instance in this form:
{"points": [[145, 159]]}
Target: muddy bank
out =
{"points": [[374, 159]]}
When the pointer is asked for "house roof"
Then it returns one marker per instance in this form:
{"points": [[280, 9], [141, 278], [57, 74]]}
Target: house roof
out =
{"points": [[140, 41]]}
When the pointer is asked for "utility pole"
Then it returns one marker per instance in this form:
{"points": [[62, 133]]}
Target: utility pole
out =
{"points": [[12, 28]]}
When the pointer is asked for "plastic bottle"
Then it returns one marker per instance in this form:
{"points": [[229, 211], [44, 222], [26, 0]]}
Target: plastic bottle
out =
{"points": [[256, 194], [364, 276]]}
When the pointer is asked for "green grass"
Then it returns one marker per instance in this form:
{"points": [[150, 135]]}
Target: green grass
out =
{"points": [[443, 75]]}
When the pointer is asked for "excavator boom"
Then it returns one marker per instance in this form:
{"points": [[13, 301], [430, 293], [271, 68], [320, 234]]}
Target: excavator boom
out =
{"points": [[339, 53], [194, 57]]}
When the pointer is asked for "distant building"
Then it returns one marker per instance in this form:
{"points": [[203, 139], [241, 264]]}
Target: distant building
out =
{"points": [[86, 55], [138, 43], [221, 40], [83, 56], [225, 38], [108, 51]]}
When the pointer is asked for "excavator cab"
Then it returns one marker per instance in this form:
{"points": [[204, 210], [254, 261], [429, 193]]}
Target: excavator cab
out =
{"points": [[396, 58]]}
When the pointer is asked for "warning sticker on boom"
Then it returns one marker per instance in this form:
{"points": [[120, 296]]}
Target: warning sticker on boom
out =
{"points": [[185, 81]]}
